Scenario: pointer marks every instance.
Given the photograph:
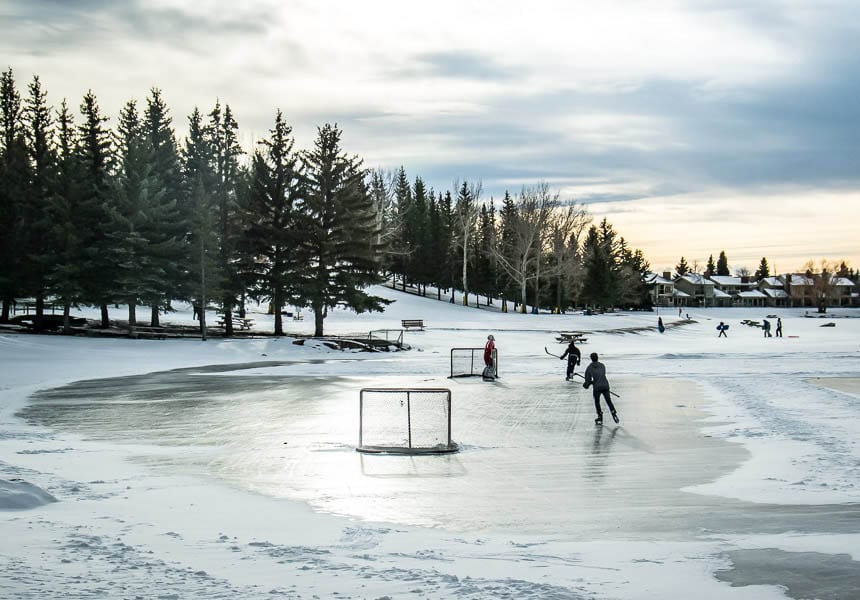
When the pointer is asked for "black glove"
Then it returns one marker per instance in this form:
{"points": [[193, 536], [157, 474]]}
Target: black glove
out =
{"points": [[561, 358], [585, 385]]}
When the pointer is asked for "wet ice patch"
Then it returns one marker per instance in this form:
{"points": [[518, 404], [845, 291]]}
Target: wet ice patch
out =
{"points": [[17, 494], [802, 574]]}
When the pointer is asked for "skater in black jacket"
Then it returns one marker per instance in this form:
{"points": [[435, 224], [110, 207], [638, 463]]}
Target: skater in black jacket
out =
{"points": [[596, 374], [574, 357]]}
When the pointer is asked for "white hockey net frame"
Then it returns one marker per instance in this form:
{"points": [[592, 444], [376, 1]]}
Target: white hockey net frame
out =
{"points": [[405, 421], [469, 362]]}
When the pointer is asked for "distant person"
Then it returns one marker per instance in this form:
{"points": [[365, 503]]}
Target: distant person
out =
{"points": [[722, 327], [574, 357], [779, 327], [660, 326], [765, 326], [595, 374], [679, 312], [489, 349]]}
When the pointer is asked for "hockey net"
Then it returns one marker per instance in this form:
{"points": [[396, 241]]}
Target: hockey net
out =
{"points": [[469, 362], [405, 421]]}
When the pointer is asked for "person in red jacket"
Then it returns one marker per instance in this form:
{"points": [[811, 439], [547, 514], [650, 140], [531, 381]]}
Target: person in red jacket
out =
{"points": [[489, 349]]}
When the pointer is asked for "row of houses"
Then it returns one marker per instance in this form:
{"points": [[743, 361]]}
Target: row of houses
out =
{"points": [[787, 290]]}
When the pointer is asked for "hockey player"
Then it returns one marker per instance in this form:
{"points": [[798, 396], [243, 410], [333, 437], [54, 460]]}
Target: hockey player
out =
{"points": [[596, 374], [574, 357]]}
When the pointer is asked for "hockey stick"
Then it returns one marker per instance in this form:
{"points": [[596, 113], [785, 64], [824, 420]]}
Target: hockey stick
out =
{"points": [[550, 353], [610, 391]]}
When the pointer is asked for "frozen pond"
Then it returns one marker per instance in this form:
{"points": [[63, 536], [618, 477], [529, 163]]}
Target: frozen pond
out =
{"points": [[531, 458]]}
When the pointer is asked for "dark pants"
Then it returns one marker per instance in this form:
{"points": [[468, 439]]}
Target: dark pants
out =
{"points": [[571, 366], [605, 393]]}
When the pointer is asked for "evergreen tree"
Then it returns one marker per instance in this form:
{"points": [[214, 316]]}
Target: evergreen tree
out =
{"points": [[342, 255], [485, 262], [682, 268], [507, 235], [603, 261], [711, 268], [14, 184], [402, 261], [763, 270], [167, 227], [198, 182], [68, 226], [439, 241], [419, 268], [223, 143], [38, 250], [129, 215], [98, 261], [273, 228], [723, 264]]}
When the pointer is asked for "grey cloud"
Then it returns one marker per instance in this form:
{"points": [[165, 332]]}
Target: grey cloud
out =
{"points": [[56, 24], [455, 65]]}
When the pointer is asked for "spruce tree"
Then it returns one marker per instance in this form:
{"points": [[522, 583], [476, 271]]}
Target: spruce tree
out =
{"points": [[763, 269], [342, 257], [710, 269], [167, 229], [723, 264], [68, 227], [273, 229], [223, 143], [130, 222], [419, 268], [38, 250], [682, 268], [14, 185], [98, 261], [405, 240], [203, 250]]}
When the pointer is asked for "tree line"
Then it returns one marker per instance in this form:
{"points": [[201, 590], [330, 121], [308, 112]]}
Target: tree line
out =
{"points": [[91, 215], [536, 249]]}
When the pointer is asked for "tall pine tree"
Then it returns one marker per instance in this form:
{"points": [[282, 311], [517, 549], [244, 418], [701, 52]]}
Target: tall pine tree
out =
{"points": [[341, 251], [723, 264], [98, 260], [273, 230]]}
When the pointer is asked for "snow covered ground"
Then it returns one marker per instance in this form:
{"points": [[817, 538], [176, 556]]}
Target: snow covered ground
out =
{"points": [[227, 469]]}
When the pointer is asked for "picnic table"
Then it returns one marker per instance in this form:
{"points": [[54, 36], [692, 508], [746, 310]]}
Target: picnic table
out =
{"points": [[565, 337], [242, 323]]}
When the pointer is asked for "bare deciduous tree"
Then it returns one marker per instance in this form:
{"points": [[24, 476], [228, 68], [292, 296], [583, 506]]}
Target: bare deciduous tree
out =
{"points": [[567, 226], [529, 233], [824, 281]]}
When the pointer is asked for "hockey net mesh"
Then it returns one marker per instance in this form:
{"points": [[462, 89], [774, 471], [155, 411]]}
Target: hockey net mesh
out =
{"points": [[408, 421], [469, 362]]}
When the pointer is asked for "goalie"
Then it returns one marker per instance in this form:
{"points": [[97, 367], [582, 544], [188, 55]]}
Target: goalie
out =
{"points": [[489, 373]]}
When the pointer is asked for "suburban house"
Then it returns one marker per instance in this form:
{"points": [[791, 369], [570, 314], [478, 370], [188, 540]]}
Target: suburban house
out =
{"points": [[774, 290], [698, 288], [736, 291], [798, 289], [661, 289]]}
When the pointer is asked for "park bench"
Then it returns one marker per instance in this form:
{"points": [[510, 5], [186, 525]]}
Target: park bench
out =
{"points": [[412, 324]]}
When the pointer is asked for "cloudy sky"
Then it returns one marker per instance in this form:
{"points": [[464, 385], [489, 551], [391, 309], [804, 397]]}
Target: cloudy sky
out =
{"points": [[693, 126]]}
